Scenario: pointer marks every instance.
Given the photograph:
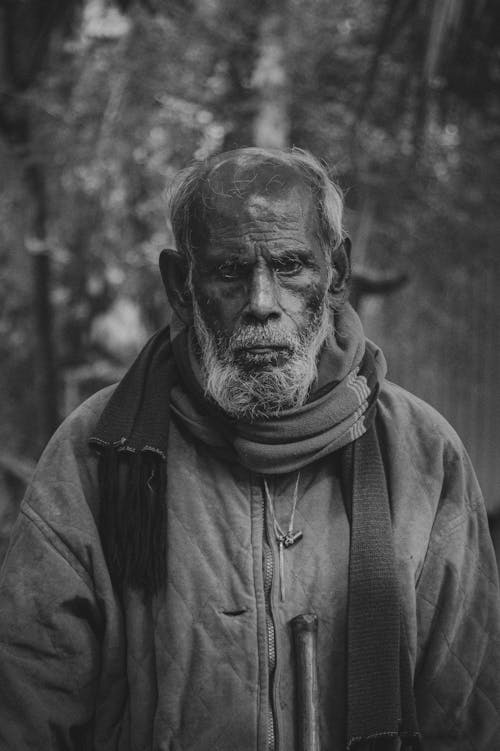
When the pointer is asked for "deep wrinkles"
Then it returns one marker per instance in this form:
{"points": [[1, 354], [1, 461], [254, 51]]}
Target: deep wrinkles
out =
{"points": [[250, 231]]}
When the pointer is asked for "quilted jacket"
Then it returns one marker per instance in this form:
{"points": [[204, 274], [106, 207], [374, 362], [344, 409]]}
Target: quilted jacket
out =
{"points": [[189, 671]]}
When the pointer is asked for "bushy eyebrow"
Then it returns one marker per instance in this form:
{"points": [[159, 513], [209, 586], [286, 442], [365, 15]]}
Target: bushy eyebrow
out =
{"points": [[277, 259], [290, 254], [235, 258]]}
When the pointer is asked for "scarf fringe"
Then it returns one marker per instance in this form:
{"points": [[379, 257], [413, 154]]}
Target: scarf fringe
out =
{"points": [[134, 518]]}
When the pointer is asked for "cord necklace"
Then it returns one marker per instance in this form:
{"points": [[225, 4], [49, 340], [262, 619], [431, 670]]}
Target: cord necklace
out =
{"points": [[284, 539]]}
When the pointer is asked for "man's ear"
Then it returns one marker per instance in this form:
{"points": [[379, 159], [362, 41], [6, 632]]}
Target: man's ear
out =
{"points": [[341, 263], [175, 274]]}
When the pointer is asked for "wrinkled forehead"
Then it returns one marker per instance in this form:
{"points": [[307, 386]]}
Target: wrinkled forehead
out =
{"points": [[243, 190]]}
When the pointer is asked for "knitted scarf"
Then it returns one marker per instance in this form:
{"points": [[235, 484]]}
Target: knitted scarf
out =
{"points": [[332, 418], [132, 441]]}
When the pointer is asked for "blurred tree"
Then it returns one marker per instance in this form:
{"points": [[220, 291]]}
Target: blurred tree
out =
{"points": [[27, 30], [270, 80], [109, 99]]}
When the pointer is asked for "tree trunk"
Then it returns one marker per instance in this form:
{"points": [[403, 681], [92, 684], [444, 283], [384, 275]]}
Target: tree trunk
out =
{"points": [[271, 82], [36, 244]]}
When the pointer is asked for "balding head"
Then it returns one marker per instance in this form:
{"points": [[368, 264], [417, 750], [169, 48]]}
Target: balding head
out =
{"points": [[225, 180]]}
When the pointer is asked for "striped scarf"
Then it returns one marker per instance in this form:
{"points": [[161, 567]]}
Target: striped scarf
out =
{"points": [[334, 417]]}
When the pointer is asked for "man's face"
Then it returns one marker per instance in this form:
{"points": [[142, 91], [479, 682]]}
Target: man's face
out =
{"points": [[259, 285]]}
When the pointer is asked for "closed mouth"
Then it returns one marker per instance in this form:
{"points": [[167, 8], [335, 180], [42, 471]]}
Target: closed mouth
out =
{"points": [[263, 354], [265, 348]]}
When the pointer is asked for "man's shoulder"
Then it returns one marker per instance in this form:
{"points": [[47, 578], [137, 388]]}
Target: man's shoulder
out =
{"points": [[425, 459], [68, 454], [79, 425], [410, 415], [62, 498], [415, 433]]}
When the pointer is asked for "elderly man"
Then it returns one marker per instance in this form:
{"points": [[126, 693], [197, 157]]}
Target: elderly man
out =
{"points": [[252, 465]]}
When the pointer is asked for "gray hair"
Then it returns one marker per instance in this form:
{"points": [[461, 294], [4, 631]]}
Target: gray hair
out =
{"points": [[186, 191]]}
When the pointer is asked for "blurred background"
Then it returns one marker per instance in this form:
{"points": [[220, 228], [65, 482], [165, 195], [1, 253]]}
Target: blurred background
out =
{"points": [[102, 102]]}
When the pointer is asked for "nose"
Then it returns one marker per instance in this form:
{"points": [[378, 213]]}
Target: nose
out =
{"points": [[263, 298]]}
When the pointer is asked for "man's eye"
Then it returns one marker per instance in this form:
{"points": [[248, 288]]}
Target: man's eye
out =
{"points": [[228, 273], [288, 266]]}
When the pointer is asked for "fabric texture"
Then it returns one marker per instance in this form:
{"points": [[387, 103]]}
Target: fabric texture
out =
{"points": [[336, 415], [81, 669]]}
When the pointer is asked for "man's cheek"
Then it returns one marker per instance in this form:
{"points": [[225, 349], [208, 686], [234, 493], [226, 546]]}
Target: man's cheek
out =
{"points": [[206, 298], [224, 303], [217, 312], [315, 296], [305, 304]]}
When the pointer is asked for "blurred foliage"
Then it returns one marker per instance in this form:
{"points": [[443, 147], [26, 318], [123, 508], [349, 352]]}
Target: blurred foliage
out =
{"points": [[400, 98]]}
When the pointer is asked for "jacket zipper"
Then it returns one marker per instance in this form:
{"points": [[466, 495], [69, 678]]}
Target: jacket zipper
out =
{"points": [[268, 570]]}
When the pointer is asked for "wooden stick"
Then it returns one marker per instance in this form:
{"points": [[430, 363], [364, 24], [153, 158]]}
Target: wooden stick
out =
{"points": [[305, 630]]}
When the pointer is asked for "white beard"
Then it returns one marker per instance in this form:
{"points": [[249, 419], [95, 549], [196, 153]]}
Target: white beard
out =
{"points": [[256, 390]]}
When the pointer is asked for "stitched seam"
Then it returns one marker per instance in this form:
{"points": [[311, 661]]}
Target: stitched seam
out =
{"points": [[472, 678], [440, 557], [462, 733], [439, 537], [452, 723], [195, 620], [493, 639], [438, 609], [470, 510], [48, 533]]}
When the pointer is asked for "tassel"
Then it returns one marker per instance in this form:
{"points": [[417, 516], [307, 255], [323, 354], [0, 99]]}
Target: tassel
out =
{"points": [[108, 488], [133, 518]]}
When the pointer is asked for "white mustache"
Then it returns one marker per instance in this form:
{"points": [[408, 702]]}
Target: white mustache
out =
{"points": [[263, 336]]}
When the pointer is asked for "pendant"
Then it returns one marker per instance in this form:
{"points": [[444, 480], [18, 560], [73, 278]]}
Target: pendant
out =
{"points": [[292, 537]]}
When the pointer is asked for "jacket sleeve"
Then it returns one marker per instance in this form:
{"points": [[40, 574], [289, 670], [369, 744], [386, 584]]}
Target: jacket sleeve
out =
{"points": [[62, 682], [49, 643], [458, 604]]}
